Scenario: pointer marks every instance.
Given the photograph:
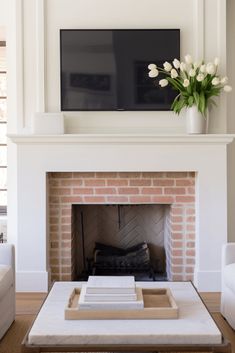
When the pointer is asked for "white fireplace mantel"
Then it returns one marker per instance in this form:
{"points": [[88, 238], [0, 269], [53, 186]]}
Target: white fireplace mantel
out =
{"points": [[37, 155], [123, 138]]}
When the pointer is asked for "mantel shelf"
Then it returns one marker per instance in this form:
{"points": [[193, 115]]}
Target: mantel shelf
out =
{"points": [[174, 139]]}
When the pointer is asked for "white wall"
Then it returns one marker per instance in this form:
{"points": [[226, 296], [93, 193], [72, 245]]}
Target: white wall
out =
{"points": [[231, 117], [197, 19]]}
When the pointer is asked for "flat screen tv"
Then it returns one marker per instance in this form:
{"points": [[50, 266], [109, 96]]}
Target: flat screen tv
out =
{"points": [[108, 69]]}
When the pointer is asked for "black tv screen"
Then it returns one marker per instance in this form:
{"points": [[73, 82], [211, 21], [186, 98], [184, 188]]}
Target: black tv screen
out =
{"points": [[108, 69]]}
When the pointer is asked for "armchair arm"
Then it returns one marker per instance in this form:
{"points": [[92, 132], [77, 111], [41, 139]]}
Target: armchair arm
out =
{"points": [[228, 254], [7, 255]]}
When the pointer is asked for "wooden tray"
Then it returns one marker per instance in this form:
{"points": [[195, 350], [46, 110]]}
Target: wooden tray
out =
{"points": [[158, 304]]}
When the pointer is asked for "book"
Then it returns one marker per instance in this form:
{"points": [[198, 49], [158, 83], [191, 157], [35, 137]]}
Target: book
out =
{"points": [[116, 305], [97, 297], [111, 285]]}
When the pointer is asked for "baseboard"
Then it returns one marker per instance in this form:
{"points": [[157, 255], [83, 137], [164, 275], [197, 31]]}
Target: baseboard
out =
{"points": [[32, 281]]}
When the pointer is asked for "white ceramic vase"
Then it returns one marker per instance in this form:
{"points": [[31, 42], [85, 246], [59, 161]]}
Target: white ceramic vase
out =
{"points": [[196, 122]]}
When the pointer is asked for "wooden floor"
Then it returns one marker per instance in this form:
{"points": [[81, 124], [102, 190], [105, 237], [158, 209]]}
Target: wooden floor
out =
{"points": [[29, 303]]}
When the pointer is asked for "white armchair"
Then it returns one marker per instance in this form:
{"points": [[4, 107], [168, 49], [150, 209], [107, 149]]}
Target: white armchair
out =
{"points": [[228, 283], [7, 287]]}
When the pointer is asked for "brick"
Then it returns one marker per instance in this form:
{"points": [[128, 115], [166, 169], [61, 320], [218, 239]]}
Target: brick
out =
{"points": [[163, 199], [177, 277], [54, 261], [55, 269], [54, 228], [176, 227], [151, 191], [71, 199], [54, 211], [190, 252], [66, 253], [54, 182], [94, 199], [176, 174], [66, 270], [140, 199], [190, 219], [105, 191], [54, 199], [66, 220], [55, 277], [71, 182], [66, 211], [190, 244], [185, 182], [190, 227], [60, 175], [128, 191], [65, 262], [106, 175], [177, 252], [94, 182], [177, 244], [177, 269], [188, 277], [83, 175], [140, 182], [163, 182], [185, 199], [190, 236], [117, 199], [60, 191], [83, 191], [191, 191], [66, 244], [190, 261], [176, 219], [174, 191], [54, 253], [189, 269], [129, 175], [177, 261], [66, 277], [66, 228], [190, 211], [177, 236], [54, 236], [54, 220], [154, 175], [177, 210], [117, 182], [66, 236]]}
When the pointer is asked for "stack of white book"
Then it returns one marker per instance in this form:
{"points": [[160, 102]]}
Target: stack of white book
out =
{"points": [[110, 293]]}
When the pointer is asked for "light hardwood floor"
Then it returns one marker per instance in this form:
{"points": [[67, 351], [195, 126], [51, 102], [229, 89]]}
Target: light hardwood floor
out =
{"points": [[30, 303]]}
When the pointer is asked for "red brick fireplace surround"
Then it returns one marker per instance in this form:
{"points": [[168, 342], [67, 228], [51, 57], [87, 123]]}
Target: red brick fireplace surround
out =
{"points": [[170, 188]]}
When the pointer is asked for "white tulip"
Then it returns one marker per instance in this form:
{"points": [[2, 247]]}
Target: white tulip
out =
{"points": [[224, 80], [188, 59], [215, 81], [153, 73], [176, 63], [152, 66], [196, 64], [200, 77], [174, 73], [192, 73], [183, 66], [216, 61], [163, 83], [203, 68], [167, 66], [227, 88], [210, 69], [186, 83]]}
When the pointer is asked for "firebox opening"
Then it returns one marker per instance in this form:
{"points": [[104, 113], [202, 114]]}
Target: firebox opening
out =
{"points": [[119, 239]]}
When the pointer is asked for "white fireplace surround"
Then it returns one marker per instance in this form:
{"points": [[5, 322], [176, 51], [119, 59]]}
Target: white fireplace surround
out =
{"points": [[37, 155]]}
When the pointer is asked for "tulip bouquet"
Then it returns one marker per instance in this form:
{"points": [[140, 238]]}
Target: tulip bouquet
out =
{"points": [[196, 82]]}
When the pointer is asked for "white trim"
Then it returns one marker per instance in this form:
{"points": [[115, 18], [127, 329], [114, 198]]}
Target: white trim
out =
{"points": [[19, 62], [123, 138], [40, 56], [199, 29]]}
